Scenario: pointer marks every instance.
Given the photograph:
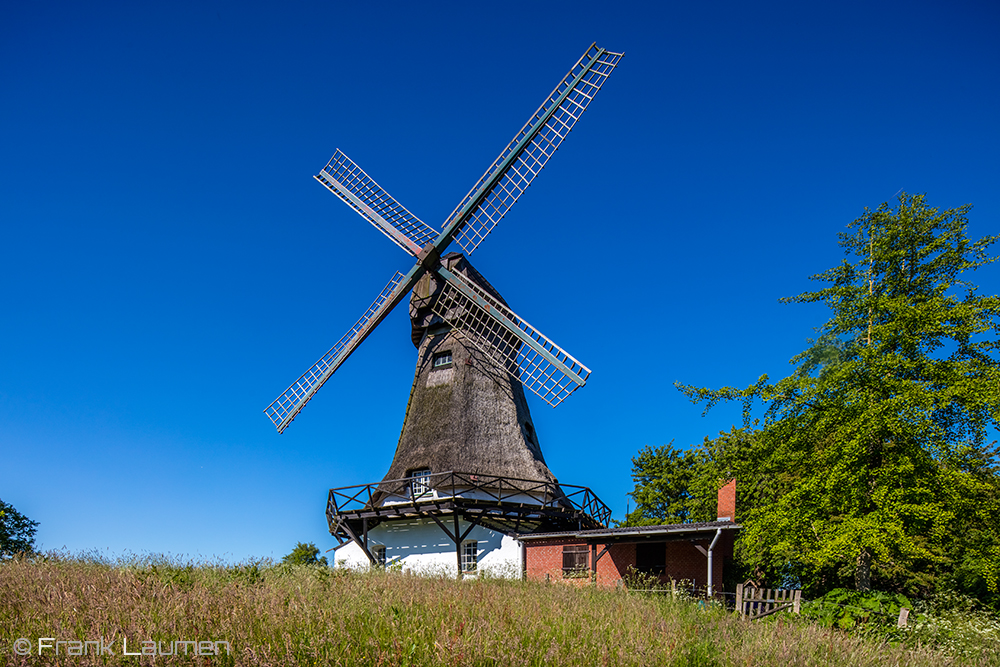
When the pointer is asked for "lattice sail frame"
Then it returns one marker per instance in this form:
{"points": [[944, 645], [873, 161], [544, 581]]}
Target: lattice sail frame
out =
{"points": [[478, 319], [375, 205], [526, 155], [283, 409], [473, 219]]}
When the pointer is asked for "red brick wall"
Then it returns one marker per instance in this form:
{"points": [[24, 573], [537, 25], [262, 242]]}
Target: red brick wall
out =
{"points": [[686, 563], [683, 560], [615, 564], [545, 557], [727, 501]]}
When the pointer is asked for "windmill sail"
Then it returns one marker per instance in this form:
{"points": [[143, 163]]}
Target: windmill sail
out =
{"points": [[357, 189], [525, 156], [512, 343], [284, 408]]}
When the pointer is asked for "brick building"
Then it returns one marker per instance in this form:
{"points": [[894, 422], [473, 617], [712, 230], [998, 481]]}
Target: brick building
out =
{"points": [[696, 552]]}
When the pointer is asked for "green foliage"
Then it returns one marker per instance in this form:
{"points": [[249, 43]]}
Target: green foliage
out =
{"points": [[634, 580], [17, 532], [674, 486], [846, 609], [664, 478], [304, 554], [871, 465], [953, 622]]}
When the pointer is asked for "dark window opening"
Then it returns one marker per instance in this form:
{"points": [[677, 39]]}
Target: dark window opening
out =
{"points": [[442, 359], [575, 560], [651, 558]]}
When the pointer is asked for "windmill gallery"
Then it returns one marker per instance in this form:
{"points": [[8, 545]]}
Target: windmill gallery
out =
{"points": [[468, 489]]}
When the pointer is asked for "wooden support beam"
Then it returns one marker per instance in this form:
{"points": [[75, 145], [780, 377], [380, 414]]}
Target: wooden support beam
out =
{"points": [[458, 548], [472, 524], [358, 541], [442, 526]]}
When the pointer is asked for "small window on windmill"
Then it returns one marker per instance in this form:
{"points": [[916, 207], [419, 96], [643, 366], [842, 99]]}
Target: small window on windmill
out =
{"points": [[442, 360], [421, 483], [470, 555], [379, 553], [574, 560]]}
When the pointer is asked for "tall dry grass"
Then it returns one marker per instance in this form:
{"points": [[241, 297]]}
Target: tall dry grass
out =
{"points": [[311, 615]]}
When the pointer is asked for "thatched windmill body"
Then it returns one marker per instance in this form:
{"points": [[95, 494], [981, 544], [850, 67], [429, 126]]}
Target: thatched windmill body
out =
{"points": [[468, 462]]}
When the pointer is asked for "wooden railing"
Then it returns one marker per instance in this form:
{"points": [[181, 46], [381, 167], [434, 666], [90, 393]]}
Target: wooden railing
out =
{"points": [[469, 487]]}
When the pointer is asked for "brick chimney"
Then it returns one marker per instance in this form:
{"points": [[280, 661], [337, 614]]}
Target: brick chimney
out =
{"points": [[727, 502]]}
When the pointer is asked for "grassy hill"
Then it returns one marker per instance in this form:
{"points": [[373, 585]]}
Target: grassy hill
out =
{"points": [[283, 615]]}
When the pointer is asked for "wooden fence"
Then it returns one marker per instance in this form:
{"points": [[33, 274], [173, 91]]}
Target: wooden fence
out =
{"points": [[760, 602]]}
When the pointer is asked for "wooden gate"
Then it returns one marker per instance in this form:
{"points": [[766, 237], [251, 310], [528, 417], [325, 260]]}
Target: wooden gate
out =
{"points": [[756, 603]]}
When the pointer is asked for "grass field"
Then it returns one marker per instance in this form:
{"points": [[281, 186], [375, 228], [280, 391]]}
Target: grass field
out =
{"points": [[280, 615]]}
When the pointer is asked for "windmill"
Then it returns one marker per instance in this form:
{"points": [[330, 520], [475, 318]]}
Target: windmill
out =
{"points": [[467, 409], [512, 343]]}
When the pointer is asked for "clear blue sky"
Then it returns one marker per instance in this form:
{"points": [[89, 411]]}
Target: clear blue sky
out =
{"points": [[169, 265]]}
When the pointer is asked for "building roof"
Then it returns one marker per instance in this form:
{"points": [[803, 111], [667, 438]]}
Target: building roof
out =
{"points": [[630, 533]]}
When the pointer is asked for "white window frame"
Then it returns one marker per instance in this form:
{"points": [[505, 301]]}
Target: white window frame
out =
{"points": [[420, 482], [470, 556], [378, 551], [443, 361]]}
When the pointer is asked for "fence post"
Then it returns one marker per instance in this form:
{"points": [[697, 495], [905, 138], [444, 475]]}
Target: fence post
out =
{"points": [[739, 599], [904, 614], [796, 601]]}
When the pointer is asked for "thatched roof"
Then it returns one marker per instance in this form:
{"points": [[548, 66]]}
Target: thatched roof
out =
{"points": [[470, 416]]}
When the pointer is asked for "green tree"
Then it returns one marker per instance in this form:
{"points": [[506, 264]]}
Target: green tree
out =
{"points": [[663, 478], [304, 554], [17, 532], [871, 465], [675, 486]]}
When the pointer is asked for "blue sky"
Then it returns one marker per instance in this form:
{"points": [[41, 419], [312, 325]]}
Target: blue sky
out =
{"points": [[169, 266]]}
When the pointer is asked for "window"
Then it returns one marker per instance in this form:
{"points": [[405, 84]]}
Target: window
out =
{"points": [[470, 555], [421, 483], [651, 558], [379, 553], [442, 359], [575, 560]]}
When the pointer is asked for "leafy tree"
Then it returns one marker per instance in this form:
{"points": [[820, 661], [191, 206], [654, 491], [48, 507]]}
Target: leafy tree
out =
{"points": [[304, 554], [674, 486], [663, 479], [871, 465], [17, 532]]}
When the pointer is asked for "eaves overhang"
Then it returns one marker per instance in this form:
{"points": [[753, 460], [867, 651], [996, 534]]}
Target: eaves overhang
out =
{"points": [[665, 532]]}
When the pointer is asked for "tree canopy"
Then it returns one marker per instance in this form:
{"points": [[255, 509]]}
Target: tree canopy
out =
{"points": [[871, 463], [678, 486], [17, 532], [304, 554], [663, 479]]}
